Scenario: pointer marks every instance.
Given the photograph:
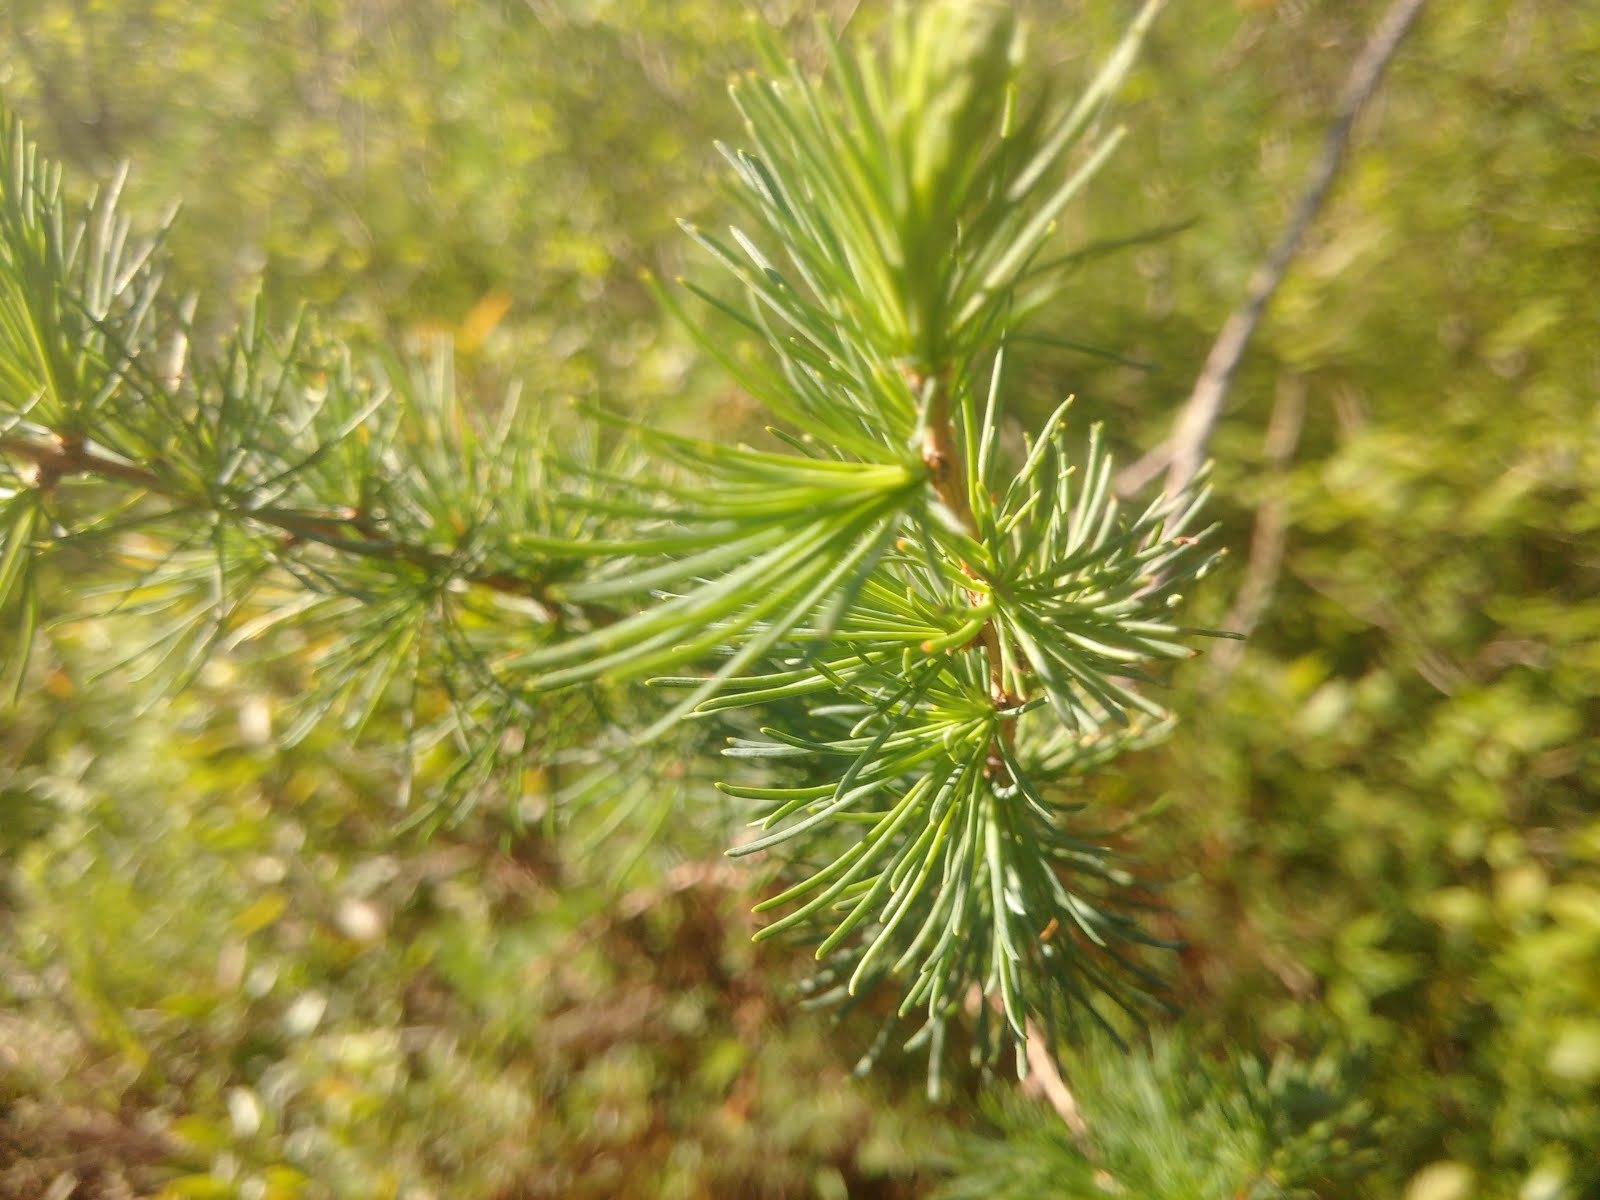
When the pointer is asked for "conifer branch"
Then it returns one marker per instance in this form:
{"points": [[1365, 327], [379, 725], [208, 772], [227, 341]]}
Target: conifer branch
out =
{"points": [[65, 458], [923, 649]]}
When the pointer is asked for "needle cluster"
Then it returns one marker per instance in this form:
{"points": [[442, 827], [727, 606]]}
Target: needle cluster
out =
{"points": [[922, 645]]}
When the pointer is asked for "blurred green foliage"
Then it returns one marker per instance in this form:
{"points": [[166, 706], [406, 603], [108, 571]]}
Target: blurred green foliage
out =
{"points": [[1389, 802], [222, 975], [1175, 1124]]}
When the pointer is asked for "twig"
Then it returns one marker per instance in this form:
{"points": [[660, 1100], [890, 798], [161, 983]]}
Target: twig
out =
{"points": [[346, 531], [1270, 535], [1044, 1074], [1183, 452], [1044, 1078]]}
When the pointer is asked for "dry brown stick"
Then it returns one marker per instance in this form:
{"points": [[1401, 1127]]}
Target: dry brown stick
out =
{"points": [[1044, 1074], [1044, 1078], [1183, 452], [1270, 536]]}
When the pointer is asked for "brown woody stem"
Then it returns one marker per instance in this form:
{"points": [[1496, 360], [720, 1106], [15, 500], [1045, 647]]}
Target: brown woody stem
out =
{"points": [[947, 474], [64, 457]]}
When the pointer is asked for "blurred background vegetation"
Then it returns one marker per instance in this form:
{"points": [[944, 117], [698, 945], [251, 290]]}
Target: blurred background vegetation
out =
{"points": [[222, 971]]}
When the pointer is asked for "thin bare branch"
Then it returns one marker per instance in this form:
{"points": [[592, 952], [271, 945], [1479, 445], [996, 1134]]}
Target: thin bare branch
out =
{"points": [[1044, 1078], [1269, 539], [1183, 452]]}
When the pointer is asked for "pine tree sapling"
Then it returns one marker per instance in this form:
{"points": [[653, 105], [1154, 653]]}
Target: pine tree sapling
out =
{"points": [[920, 644]]}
